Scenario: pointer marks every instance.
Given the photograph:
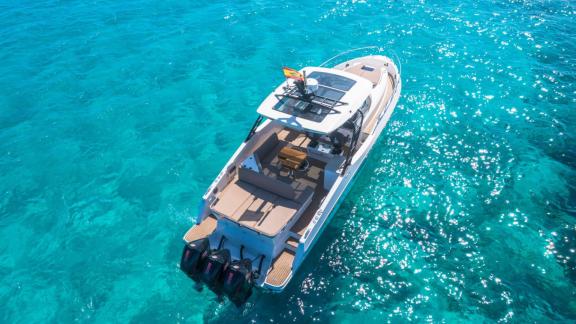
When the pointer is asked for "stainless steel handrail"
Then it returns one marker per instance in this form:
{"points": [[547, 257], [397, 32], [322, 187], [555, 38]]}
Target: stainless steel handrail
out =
{"points": [[350, 51]]}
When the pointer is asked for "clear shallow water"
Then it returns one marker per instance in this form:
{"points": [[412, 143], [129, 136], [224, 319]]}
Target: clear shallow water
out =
{"points": [[116, 116]]}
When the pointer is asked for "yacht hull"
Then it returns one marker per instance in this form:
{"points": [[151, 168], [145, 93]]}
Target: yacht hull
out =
{"points": [[278, 235]]}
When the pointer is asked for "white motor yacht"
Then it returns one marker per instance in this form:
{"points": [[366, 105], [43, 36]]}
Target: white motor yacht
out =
{"points": [[267, 208]]}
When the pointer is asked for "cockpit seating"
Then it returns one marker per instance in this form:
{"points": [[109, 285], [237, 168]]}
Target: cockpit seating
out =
{"points": [[262, 203]]}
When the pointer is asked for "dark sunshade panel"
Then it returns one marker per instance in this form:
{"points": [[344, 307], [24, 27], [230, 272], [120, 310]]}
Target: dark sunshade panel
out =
{"points": [[302, 109], [330, 90], [332, 80]]}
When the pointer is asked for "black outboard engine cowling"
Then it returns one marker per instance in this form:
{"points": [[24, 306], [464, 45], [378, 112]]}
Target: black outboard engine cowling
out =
{"points": [[193, 257], [238, 281], [216, 264]]}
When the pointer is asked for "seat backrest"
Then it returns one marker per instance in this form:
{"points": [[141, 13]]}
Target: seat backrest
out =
{"points": [[266, 147], [261, 181], [304, 195]]}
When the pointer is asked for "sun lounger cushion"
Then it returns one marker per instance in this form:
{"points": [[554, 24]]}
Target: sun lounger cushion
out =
{"points": [[249, 204], [259, 209]]}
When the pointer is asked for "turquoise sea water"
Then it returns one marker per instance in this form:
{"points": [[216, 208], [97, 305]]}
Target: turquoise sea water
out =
{"points": [[115, 116]]}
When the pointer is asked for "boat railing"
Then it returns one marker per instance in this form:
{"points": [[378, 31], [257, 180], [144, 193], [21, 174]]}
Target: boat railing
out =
{"points": [[376, 48]]}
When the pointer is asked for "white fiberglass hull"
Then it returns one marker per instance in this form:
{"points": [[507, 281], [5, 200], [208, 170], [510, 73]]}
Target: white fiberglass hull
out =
{"points": [[277, 251]]}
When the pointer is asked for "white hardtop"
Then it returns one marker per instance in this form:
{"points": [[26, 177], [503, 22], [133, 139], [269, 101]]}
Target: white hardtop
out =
{"points": [[353, 91]]}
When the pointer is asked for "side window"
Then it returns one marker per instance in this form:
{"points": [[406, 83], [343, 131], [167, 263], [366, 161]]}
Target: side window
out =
{"points": [[366, 105]]}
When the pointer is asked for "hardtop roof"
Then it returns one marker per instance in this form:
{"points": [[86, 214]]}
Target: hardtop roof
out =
{"points": [[339, 97]]}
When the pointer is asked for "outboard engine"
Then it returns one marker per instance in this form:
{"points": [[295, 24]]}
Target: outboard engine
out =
{"points": [[193, 257], [238, 281], [216, 264]]}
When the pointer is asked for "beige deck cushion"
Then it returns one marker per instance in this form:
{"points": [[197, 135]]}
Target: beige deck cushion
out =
{"points": [[237, 194], [269, 216], [278, 217], [260, 209]]}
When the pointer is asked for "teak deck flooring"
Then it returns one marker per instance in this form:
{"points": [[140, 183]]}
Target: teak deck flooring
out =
{"points": [[280, 269], [202, 230]]}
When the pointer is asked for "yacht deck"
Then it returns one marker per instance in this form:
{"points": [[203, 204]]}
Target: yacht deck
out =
{"points": [[252, 204]]}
